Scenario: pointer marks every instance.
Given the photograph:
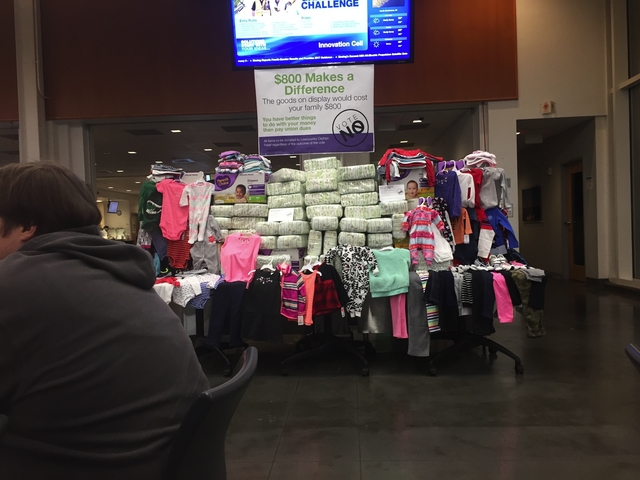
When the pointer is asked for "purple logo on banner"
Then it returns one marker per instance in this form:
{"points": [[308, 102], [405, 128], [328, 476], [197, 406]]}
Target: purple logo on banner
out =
{"points": [[222, 182]]}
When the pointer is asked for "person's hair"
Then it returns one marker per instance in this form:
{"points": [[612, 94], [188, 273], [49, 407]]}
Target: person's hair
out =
{"points": [[47, 196], [242, 188], [412, 181]]}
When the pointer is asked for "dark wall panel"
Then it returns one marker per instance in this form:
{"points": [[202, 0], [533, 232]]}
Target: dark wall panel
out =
{"points": [[120, 58], [8, 80]]}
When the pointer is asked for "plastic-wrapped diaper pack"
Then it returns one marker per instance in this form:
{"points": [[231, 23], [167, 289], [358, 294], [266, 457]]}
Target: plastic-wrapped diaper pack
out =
{"points": [[286, 201], [292, 241], [357, 172], [379, 240], [379, 225], [245, 223], [315, 243], [326, 163], [322, 198], [363, 211], [286, 188], [225, 233], [224, 222], [396, 224], [350, 238], [268, 228], [222, 210], [358, 199], [299, 213], [330, 241], [353, 225], [322, 181], [358, 186], [389, 208], [268, 242], [324, 211], [287, 175], [294, 228], [243, 232], [250, 210], [324, 223]]}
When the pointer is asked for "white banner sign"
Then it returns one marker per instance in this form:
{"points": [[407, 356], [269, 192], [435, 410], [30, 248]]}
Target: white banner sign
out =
{"points": [[315, 110]]}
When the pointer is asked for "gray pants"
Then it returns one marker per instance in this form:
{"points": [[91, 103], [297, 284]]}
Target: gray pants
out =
{"points": [[206, 255], [417, 325]]}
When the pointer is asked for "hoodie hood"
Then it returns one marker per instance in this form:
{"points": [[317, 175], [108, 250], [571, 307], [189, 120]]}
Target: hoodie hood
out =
{"points": [[128, 263]]}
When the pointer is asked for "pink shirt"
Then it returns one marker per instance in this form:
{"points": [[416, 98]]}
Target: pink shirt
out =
{"points": [[238, 257], [173, 218]]}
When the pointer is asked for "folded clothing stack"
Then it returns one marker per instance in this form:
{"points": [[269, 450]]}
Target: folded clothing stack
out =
{"points": [[230, 161], [256, 163]]}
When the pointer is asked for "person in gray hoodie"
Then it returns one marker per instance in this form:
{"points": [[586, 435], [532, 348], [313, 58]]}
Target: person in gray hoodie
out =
{"points": [[96, 372]]}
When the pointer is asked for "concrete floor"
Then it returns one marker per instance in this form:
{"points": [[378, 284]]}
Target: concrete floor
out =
{"points": [[574, 414]]}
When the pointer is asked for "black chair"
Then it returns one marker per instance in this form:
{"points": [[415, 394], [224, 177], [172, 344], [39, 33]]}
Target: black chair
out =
{"points": [[3, 424], [633, 352], [198, 448]]}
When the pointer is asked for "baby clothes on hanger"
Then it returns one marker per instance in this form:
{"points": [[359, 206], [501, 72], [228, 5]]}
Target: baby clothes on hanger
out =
{"points": [[178, 252], [448, 187], [497, 219], [309, 280], [149, 207], [206, 252], [261, 319], [238, 256], [197, 196], [173, 217], [467, 189], [226, 302], [417, 222], [493, 192], [329, 294], [293, 293], [356, 264], [440, 206]]}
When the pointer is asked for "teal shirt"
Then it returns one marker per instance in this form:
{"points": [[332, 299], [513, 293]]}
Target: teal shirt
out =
{"points": [[393, 273]]}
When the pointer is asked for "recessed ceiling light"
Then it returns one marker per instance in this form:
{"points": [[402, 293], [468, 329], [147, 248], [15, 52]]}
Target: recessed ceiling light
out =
{"points": [[120, 171], [98, 201], [292, 156], [158, 161], [109, 187], [176, 131], [128, 190], [208, 149], [404, 141], [138, 182], [417, 120], [518, 133], [297, 164], [131, 152]]}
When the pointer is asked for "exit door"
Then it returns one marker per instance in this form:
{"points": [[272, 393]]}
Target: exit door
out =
{"points": [[574, 220]]}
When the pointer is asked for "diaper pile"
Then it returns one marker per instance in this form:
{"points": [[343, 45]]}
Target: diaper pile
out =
{"points": [[286, 189]]}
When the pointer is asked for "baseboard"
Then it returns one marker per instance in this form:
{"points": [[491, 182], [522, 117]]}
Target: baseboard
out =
{"points": [[597, 282]]}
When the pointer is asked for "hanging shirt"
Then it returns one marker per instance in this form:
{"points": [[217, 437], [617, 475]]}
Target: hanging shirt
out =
{"points": [[238, 256], [173, 218], [197, 196], [393, 276], [467, 189], [447, 187]]}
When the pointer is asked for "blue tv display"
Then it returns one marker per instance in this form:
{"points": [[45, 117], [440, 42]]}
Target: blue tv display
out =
{"points": [[289, 33]]}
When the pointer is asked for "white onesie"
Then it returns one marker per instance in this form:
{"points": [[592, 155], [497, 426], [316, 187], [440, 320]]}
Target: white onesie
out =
{"points": [[198, 196]]}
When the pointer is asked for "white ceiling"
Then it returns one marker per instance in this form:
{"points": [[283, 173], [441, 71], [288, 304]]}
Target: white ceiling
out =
{"points": [[112, 142]]}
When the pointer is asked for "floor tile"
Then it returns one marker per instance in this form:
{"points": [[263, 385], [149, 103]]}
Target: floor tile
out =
{"points": [[252, 445], [318, 444], [248, 471], [315, 471]]}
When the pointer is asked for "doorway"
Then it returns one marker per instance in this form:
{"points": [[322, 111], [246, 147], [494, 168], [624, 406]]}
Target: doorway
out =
{"points": [[574, 219]]}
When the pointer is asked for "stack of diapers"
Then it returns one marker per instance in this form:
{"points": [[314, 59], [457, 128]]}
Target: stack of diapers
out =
{"points": [[286, 201], [268, 228], [322, 181], [355, 239], [379, 240], [379, 225], [357, 172], [292, 241], [315, 244], [324, 211], [324, 223], [358, 186], [286, 188], [326, 163], [390, 208], [396, 226], [322, 198], [287, 175], [364, 211], [330, 241], [356, 225], [359, 199], [294, 228]]}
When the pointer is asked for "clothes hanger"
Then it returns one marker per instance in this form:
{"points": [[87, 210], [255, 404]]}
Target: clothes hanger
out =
{"points": [[386, 249], [268, 266]]}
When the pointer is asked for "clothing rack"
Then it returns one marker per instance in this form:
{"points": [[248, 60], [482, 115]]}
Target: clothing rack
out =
{"points": [[316, 344]]}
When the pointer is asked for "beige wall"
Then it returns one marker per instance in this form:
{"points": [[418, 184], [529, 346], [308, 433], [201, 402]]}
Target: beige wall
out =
{"points": [[458, 140]]}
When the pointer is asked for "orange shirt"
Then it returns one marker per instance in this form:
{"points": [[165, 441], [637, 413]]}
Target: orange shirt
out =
{"points": [[461, 226]]}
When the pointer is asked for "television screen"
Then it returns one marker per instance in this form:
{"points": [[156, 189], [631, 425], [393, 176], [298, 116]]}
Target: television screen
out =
{"points": [[286, 33], [112, 207]]}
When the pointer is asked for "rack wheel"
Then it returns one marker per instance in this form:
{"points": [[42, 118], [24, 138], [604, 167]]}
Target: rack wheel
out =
{"points": [[519, 369], [365, 371]]}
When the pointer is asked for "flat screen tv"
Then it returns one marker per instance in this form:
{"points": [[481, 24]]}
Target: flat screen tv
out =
{"points": [[290, 33], [112, 207]]}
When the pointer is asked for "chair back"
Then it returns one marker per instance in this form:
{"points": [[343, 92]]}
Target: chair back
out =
{"points": [[3, 424], [198, 452], [633, 352]]}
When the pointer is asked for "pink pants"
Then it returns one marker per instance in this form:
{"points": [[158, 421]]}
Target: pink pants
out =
{"points": [[399, 315], [503, 299]]}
